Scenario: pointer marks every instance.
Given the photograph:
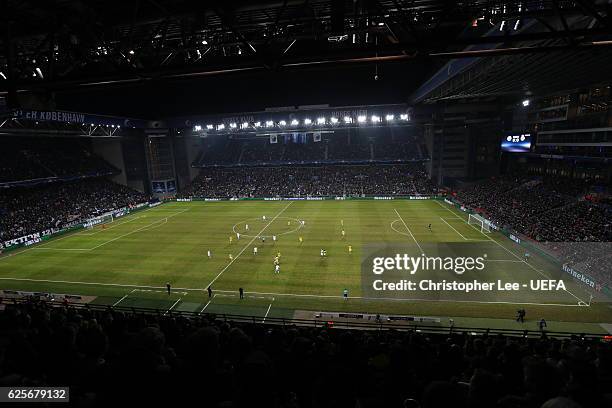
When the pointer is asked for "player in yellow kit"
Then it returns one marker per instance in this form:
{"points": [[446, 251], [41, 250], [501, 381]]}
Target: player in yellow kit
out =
{"points": [[301, 240], [231, 239], [350, 249]]}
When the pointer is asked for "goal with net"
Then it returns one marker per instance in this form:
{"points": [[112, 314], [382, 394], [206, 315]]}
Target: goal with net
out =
{"points": [[482, 223], [103, 219]]}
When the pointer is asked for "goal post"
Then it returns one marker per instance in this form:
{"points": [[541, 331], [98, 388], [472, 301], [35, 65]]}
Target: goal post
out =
{"points": [[482, 223], [102, 219]]}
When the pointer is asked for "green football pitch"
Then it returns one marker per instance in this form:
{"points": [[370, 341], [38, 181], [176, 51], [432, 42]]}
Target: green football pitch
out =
{"points": [[128, 262]]}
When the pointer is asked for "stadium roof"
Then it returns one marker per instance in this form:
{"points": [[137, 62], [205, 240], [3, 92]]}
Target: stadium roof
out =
{"points": [[75, 44]]}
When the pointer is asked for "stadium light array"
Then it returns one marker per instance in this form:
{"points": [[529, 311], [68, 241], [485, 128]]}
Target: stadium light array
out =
{"points": [[361, 118], [348, 119], [295, 122], [221, 126], [244, 125], [209, 127], [375, 119], [404, 116], [389, 118], [334, 120], [307, 121], [526, 103], [282, 123], [197, 128], [233, 125], [269, 123], [320, 121], [257, 124]]}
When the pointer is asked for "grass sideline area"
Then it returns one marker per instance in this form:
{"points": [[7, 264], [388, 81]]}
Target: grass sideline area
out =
{"points": [[129, 261]]}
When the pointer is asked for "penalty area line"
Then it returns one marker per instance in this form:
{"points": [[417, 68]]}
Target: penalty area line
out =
{"points": [[411, 234], [516, 256]]}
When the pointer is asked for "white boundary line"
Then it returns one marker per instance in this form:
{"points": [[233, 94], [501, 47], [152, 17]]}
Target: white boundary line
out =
{"points": [[208, 303], [298, 295], [268, 236], [249, 244], [120, 300], [152, 224], [453, 228], [172, 307], [417, 242], [268, 311], [117, 224], [517, 257]]}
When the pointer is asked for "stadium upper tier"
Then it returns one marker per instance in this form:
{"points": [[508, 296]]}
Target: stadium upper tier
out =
{"points": [[26, 159], [303, 149], [349, 180]]}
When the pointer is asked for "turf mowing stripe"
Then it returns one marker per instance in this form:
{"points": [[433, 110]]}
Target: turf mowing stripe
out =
{"points": [[249, 244], [519, 258], [417, 242]]}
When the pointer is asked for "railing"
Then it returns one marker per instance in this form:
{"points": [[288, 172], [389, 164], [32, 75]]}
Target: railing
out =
{"points": [[331, 324]]}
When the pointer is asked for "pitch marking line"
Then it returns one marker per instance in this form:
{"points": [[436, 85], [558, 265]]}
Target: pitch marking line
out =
{"points": [[204, 308], [172, 307], [117, 224], [298, 295], [268, 311], [580, 301], [249, 244], [120, 300], [165, 220], [406, 299], [411, 234], [153, 225]]}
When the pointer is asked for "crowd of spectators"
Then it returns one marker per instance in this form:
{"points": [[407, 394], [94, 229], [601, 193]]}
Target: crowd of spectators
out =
{"points": [[26, 210], [117, 358], [545, 209], [555, 212], [35, 158], [288, 149], [291, 181]]}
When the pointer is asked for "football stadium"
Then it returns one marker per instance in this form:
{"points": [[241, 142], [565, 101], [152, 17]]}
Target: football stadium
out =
{"points": [[320, 203]]}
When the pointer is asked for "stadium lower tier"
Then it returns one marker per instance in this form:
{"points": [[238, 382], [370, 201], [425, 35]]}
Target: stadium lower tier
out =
{"points": [[114, 357]]}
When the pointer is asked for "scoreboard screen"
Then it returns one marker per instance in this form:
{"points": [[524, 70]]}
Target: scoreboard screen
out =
{"points": [[516, 143]]}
